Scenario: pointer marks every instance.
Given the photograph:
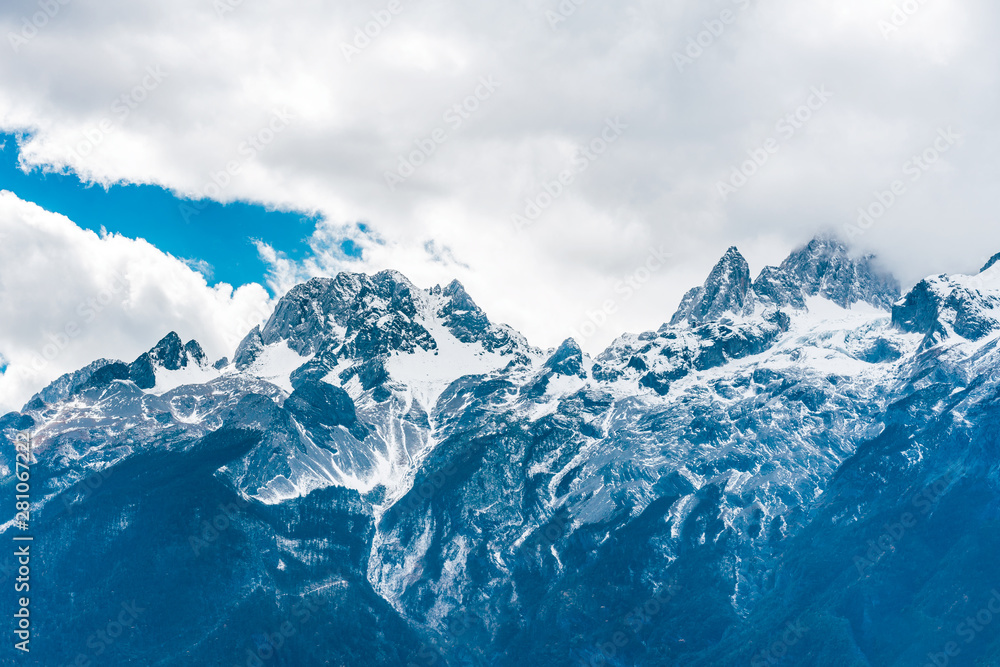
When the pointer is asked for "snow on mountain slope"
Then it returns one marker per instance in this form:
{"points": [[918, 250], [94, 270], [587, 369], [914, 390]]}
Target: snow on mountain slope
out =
{"points": [[275, 363], [525, 484], [396, 349], [168, 380], [427, 373]]}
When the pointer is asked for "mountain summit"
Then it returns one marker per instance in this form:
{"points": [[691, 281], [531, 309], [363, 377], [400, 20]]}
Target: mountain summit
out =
{"points": [[385, 476], [824, 267], [727, 290]]}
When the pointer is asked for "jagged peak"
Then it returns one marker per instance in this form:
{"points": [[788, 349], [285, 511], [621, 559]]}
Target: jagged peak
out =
{"points": [[361, 315], [195, 352], [392, 275], [727, 289], [455, 287], [66, 384], [454, 291], [568, 348], [394, 285], [826, 248], [168, 353], [827, 267], [304, 314], [567, 359], [461, 314], [457, 299], [942, 305], [732, 254], [249, 348]]}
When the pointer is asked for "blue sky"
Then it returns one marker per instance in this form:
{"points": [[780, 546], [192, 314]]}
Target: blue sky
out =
{"points": [[202, 231]]}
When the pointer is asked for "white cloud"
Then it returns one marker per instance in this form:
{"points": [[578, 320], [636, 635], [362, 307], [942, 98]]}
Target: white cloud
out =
{"points": [[226, 75], [69, 296]]}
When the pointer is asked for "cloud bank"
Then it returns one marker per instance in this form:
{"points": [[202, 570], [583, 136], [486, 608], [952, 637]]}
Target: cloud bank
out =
{"points": [[69, 296], [473, 140]]}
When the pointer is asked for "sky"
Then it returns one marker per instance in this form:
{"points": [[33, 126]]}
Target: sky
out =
{"points": [[217, 239], [188, 162]]}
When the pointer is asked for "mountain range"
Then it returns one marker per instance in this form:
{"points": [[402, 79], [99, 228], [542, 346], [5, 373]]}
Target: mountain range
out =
{"points": [[797, 469]]}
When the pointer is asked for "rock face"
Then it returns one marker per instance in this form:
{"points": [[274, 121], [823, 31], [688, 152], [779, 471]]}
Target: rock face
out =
{"points": [[383, 476], [63, 387], [989, 264], [824, 267], [941, 306], [169, 354], [727, 290]]}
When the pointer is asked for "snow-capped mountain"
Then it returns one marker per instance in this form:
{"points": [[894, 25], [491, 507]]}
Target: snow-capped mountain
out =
{"points": [[438, 491]]}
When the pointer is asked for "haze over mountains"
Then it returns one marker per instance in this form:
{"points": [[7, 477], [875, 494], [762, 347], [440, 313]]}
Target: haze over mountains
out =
{"points": [[797, 469]]}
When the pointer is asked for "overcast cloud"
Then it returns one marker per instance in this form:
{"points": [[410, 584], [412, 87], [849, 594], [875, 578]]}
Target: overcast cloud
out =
{"points": [[641, 120]]}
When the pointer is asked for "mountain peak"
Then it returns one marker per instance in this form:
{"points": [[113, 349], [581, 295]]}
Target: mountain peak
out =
{"points": [[400, 474], [822, 267], [567, 359], [453, 288], [461, 315], [358, 323], [826, 267], [169, 354], [727, 289], [993, 260]]}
